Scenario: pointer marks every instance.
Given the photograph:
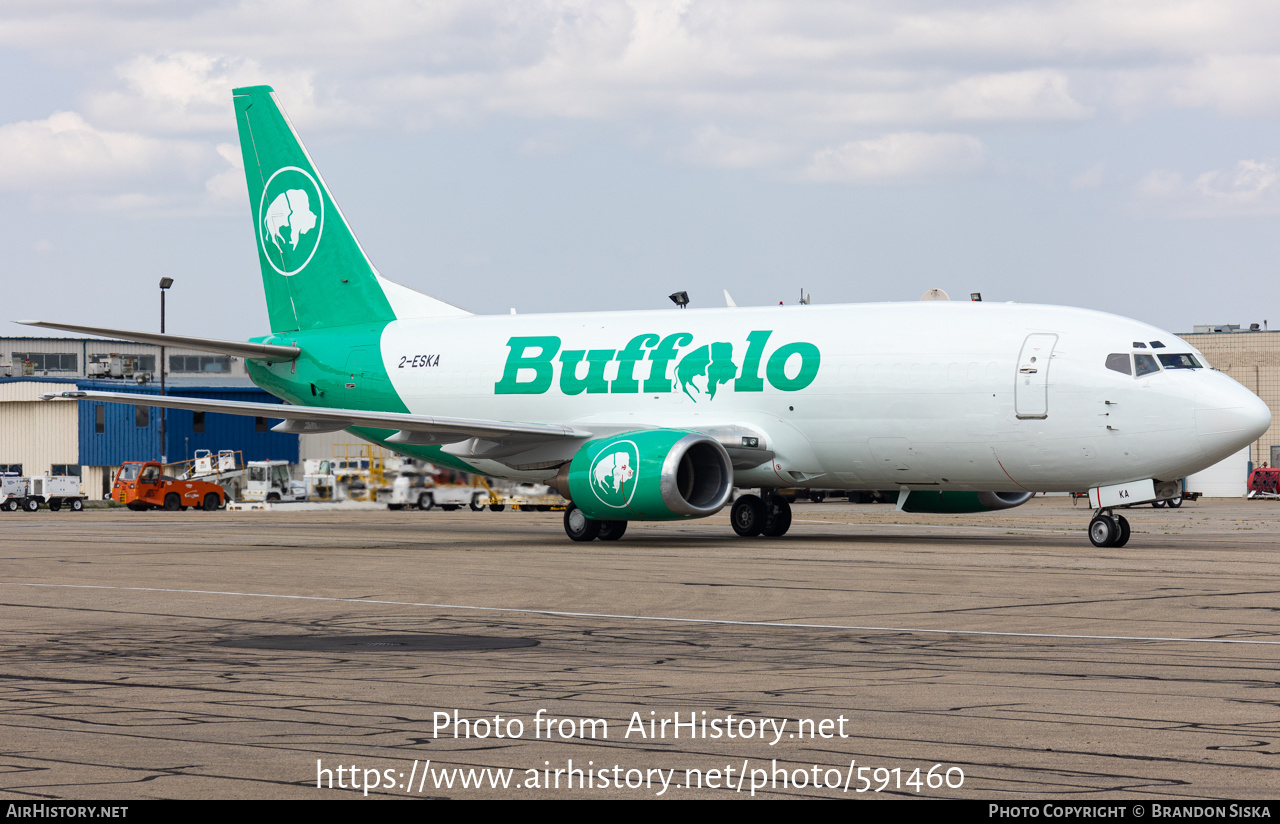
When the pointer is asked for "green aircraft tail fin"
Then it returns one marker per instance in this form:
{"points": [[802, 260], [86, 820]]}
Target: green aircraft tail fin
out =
{"points": [[313, 270]]}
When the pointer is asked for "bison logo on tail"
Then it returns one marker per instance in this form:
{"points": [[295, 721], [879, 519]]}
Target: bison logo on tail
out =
{"points": [[290, 219], [290, 210]]}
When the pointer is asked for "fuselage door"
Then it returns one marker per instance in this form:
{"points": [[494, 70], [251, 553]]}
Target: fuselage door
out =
{"points": [[1031, 390]]}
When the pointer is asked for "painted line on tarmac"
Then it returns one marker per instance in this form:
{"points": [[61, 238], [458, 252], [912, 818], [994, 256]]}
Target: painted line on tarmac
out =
{"points": [[617, 617]]}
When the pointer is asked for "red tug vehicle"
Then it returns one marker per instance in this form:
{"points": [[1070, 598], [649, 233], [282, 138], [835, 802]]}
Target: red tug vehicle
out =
{"points": [[143, 485]]}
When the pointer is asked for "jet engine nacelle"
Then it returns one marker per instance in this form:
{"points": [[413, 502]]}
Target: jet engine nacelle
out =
{"points": [[650, 475], [960, 502]]}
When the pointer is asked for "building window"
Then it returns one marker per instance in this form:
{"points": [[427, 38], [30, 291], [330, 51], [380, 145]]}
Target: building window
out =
{"points": [[46, 361], [10, 469], [65, 469], [197, 422], [259, 424], [212, 364], [100, 419], [142, 416], [143, 363]]}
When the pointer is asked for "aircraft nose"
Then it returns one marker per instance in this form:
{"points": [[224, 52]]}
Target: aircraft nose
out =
{"points": [[1229, 417]]}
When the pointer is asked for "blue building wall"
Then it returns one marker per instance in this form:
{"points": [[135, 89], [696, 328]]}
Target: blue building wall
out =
{"points": [[123, 440]]}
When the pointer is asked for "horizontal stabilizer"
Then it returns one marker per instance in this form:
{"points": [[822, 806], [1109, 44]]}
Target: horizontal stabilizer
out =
{"points": [[254, 351]]}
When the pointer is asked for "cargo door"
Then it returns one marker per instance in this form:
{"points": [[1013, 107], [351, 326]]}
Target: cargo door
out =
{"points": [[1031, 389]]}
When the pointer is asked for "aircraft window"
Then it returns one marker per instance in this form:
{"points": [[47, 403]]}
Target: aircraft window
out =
{"points": [[1183, 361], [1155, 344], [1119, 362], [1137, 344], [1146, 364]]}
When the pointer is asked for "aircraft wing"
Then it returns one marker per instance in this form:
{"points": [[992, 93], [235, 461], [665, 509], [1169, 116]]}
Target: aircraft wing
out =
{"points": [[413, 429], [239, 349]]}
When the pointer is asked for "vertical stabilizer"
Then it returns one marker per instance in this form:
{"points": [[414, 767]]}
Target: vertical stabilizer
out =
{"points": [[313, 270]]}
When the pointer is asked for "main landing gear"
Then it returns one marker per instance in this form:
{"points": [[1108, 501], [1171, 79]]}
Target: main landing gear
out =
{"points": [[752, 515], [581, 528], [1108, 529]]}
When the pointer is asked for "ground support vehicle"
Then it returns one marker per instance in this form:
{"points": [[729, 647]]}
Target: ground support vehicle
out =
{"points": [[534, 498], [206, 466], [409, 491], [404, 492], [453, 496], [18, 492], [272, 482], [13, 492], [1264, 482], [143, 485], [360, 472], [319, 479], [425, 486], [55, 491]]}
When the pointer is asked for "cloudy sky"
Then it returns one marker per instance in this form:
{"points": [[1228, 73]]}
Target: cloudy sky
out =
{"points": [[600, 154]]}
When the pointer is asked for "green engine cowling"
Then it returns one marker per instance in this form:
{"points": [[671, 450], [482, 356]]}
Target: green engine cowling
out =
{"points": [[927, 500], [650, 475]]}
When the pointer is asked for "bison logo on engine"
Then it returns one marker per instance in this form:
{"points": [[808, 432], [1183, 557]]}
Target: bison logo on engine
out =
{"points": [[613, 474]]}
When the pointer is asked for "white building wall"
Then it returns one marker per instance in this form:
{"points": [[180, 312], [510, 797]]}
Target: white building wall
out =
{"points": [[36, 433], [95, 481]]}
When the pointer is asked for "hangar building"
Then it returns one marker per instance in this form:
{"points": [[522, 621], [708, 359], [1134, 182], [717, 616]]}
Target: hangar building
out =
{"points": [[1252, 357], [91, 439]]}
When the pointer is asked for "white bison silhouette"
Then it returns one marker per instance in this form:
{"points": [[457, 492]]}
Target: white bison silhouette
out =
{"points": [[291, 208], [615, 468]]}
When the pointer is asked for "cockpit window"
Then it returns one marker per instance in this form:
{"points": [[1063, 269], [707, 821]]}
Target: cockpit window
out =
{"points": [[1146, 364], [1119, 362], [1137, 344], [1183, 361], [1155, 344]]}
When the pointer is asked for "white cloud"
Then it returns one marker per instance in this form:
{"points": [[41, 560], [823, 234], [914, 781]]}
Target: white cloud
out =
{"points": [[184, 92], [1005, 59], [64, 151], [229, 184], [898, 158], [713, 82], [1252, 189], [712, 147], [1244, 85], [1039, 94], [64, 161], [1239, 85]]}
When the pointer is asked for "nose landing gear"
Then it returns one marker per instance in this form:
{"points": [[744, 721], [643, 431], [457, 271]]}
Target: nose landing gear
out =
{"points": [[1108, 529]]}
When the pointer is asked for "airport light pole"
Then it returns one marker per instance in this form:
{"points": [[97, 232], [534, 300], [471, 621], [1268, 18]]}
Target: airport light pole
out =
{"points": [[165, 283]]}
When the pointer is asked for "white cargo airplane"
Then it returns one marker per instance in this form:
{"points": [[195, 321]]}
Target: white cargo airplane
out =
{"points": [[960, 407]]}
